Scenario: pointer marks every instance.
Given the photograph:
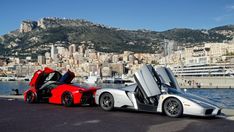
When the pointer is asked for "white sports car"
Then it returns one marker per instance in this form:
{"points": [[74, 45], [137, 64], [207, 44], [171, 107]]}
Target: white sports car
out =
{"points": [[155, 91]]}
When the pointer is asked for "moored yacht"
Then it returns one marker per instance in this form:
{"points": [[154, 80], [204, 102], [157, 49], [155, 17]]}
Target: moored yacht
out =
{"points": [[203, 70], [7, 78], [117, 80]]}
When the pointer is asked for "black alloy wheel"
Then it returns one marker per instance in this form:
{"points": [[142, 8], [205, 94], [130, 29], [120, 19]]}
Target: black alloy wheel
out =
{"points": [[30, 97], [107, 102], [172, 107], [67, 99]]}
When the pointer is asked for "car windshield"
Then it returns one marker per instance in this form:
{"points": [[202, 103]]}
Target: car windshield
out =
{"points": [[155, 74], [53, 85], [173, 91], [54, 76], [170, 89]]}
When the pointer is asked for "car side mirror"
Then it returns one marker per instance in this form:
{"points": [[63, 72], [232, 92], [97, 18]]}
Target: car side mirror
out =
{"points": [[163, 91]]}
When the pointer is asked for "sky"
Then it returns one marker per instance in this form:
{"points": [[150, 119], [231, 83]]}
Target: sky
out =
{"points": [[156, 15]]}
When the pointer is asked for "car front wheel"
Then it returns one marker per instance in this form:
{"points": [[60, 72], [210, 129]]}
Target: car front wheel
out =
{"points": [[107, 102], [172, 107]]}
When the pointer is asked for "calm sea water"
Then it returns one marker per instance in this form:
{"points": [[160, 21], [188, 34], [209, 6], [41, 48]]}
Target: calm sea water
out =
{"points": [[224, 97]]}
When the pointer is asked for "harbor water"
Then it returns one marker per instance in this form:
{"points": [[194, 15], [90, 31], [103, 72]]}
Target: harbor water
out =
{"points": [[222, 96]]}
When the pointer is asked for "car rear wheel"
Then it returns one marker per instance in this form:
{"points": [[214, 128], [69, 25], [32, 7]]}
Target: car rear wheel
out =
{"points": [[172, 107], [30, 97], [107, 102], [67, 99]]}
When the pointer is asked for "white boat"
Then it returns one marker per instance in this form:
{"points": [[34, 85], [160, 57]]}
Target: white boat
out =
{"points": [[117, 80], [113, 80], [203, 70], [7, 78], [92, 80], [23, 78]]}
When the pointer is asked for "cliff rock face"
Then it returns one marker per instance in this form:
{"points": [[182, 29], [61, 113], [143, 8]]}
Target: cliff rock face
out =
{"points": [[45, 23], [27, 26], [54, 22]]}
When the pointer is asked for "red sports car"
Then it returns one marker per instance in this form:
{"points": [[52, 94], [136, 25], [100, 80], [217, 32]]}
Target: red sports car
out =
{"points": [[50, 86]]}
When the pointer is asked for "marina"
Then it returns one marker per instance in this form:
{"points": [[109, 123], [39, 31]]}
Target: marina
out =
{"points": [[117, 66]]}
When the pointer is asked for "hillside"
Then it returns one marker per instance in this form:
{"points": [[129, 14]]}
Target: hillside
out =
{"points": [[36, 37]]}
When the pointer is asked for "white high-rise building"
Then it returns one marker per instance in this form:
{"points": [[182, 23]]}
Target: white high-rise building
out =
{"points": [[47, 55], [72, 49], [61, 50], [41, 59], [168, 46], [82, 49], [53, 51]]}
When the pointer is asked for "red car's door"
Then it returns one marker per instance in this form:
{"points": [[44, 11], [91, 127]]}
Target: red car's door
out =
{"points": [[39, 77]]}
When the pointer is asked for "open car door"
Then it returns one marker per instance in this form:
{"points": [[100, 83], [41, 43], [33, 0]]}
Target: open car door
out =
{"points": [[148, 81], [41, 77], [67, 77], [167, 77]]}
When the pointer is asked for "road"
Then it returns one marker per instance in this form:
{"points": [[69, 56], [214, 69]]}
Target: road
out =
{"points": [[17, 116]]}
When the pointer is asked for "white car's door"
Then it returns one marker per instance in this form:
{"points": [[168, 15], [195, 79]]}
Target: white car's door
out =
{"points": [[167, 77], [147, 81]]}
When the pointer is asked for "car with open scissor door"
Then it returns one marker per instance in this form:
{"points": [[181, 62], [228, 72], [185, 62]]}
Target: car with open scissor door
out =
{"points": [[155, 91], [50, 86]]}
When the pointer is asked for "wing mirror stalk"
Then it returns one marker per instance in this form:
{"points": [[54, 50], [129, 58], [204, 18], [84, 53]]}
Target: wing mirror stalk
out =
{"points": [[163, 91]]}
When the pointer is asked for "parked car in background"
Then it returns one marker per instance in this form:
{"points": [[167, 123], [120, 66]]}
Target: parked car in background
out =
{"points": [[50, 86]]}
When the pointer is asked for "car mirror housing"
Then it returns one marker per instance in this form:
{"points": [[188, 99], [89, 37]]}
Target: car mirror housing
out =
{"points": [[163, 91]]}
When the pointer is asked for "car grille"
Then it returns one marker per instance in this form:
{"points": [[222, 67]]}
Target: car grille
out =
{"points": [[209, 111]]}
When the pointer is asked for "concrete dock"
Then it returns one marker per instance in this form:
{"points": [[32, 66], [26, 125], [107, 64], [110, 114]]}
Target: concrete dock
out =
{"points": [[206, 82], [16, 115]]}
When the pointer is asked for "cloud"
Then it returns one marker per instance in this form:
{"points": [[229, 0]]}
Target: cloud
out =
{"points": [[229, 7], [228, 14]]}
